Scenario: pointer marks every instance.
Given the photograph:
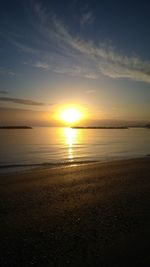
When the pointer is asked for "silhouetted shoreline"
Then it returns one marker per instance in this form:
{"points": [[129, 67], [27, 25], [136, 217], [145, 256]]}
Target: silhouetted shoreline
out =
{"points": [[111, 127], [16, 127], [99, 127]]}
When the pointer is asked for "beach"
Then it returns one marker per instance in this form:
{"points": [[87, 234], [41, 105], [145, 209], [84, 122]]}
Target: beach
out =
{"points": [[85, 215]]}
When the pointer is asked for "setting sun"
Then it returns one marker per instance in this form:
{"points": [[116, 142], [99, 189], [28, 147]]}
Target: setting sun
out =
{"points": [[70, 115]]}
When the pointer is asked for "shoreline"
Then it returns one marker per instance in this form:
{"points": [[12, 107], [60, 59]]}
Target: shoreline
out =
{"points": [[88, 215], [19, 168]]}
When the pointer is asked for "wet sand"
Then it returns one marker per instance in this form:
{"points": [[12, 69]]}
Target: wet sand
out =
{"points": [[87, 215]]}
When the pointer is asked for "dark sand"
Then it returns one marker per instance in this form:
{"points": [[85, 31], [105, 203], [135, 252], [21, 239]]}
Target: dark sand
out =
{"points": [[88, 215]]}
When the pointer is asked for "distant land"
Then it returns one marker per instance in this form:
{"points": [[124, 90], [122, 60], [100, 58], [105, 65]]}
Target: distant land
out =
{"points": [[16, 127], [100, 127], [24, 127], [140, 126], [111, 127]]}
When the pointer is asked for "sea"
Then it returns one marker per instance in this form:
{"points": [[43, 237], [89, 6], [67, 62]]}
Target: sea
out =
{"points": [[51, 147]]}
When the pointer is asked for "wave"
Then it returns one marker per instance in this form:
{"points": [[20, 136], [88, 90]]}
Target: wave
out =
{"points": [[45, 164]]}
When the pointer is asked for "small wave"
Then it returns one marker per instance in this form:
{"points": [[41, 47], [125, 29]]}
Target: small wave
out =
{"points": [[20, 167]]}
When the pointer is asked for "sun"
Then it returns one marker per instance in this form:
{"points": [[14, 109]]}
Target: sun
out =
{"points": [[70, 115]]}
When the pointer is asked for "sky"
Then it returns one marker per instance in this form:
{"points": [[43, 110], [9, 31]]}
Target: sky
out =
{"points": [[93, 54]]}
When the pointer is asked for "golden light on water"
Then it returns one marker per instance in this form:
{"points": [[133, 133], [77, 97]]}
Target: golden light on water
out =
{"points": [[71, 138]]}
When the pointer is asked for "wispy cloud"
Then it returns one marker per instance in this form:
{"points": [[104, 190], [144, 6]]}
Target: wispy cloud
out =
{"points": [[9, 72], [76, 71], [108, 60], [40, 65], [40, 11], [62, 51], [87, 18], [120, 71], [2, 92], [21, 101], [23, 46], [90, 91], [92, 76]]}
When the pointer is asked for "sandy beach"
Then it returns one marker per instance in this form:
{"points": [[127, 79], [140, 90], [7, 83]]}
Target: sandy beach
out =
{"points": [[89, 215]]}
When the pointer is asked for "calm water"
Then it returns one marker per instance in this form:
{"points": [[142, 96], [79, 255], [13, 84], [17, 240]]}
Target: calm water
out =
{"points": [[57, 146]]}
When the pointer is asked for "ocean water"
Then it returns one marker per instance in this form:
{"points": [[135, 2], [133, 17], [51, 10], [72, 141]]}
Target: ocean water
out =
{"points": [[58, 146]]}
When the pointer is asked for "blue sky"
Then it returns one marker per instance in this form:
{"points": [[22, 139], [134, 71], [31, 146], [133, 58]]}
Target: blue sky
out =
{"points": [[92, 53]]}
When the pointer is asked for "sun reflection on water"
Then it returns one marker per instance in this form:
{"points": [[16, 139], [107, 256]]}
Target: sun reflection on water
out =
{"points": [[71, 138]]}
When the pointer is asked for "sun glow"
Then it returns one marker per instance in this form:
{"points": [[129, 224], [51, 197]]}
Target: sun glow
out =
{"points": [[70, 115]]}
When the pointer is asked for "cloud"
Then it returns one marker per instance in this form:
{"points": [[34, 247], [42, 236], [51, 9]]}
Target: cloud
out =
{"points": [[41, 65], [90, 91], [105, 58], [58, 49], [24, 47], [117, 71], [21, 101], [8, 72], [20, 116], [76, 71], [3, 92], [87, 18], [40, 11], [92, 76]]}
